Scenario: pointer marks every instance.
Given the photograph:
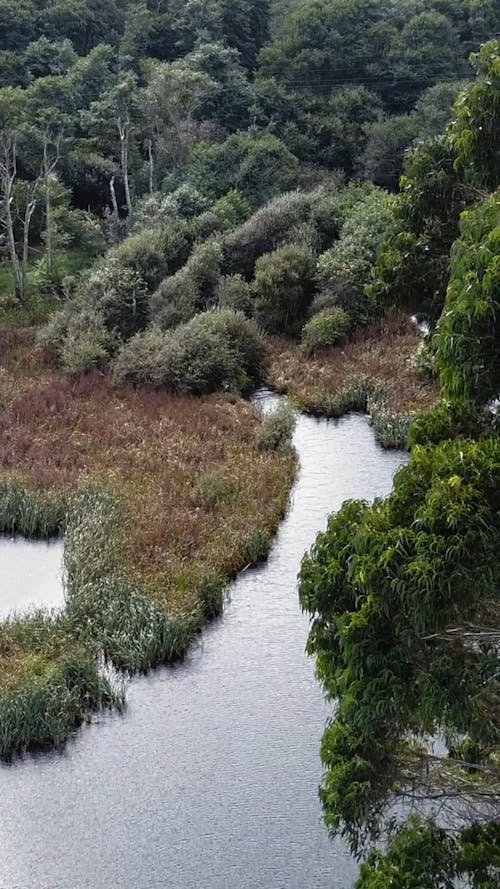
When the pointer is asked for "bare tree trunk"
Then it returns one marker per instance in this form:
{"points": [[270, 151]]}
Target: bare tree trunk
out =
{"points": [[151, 166], [124, 132], [31, 202], [49, 165], [8, 173], [48, 225], [114, 202]]}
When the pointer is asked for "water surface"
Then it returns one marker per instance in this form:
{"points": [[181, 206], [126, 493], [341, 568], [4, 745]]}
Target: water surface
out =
{"points": [[30, 574], [209, 780]]}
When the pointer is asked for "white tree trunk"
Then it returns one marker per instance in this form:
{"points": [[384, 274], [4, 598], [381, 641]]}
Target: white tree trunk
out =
{"points": [[151, 166], [8, 173], [124, 133]]}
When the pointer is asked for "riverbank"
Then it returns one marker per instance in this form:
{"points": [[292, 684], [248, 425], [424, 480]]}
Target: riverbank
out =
{"points": [[374, 372], [161, 499], [216, 760]]}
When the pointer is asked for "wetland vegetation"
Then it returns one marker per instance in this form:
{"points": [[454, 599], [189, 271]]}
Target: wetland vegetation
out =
{"points": [[198, 199]]}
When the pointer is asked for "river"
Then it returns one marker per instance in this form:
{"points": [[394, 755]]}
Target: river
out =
{"points": [[209, 779], [30, 574]]}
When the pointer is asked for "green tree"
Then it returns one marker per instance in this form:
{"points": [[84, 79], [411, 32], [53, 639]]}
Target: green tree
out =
{"points": [[245, 25], [441, 179], [258, 166], [468, 335], [283, 288]]}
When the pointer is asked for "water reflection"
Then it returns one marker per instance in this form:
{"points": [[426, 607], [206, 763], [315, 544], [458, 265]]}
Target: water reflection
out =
{"points": [[210, 778]]}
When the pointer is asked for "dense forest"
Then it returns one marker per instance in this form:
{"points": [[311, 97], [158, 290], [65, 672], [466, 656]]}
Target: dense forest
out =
{"points": [[187, 185]]}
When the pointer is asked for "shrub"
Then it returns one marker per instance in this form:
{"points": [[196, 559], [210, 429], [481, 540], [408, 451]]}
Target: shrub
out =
{"points": [[268, 228], [345, 269], [119, 294], [143, 359], [156, 252], [277, 430], [283, 288], [329, 328], [258, 165], [231, 209], [215, 350], [51, 336], [77, 337], [190, 290], [80, 354], [234, 293]]}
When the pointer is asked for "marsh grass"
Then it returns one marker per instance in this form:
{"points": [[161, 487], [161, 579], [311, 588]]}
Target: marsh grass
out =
{"points": [[30, 513], [373, 373], [161, 499]]}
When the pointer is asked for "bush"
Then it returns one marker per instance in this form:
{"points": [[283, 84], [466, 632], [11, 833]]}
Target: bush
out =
{"points": [[329, 328], [258, 165], [86, 344], [277, 430], [283, 288], [234, 293], [154, 253], [215, 350], [345, 269], [268, 228], [119, 294], [77, 338], [190, 290]]}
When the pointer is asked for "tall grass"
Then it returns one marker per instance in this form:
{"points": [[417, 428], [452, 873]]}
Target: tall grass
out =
{"points": [[374, 373], [49, 684], [161, 500], [30, 513], [54, 699]]}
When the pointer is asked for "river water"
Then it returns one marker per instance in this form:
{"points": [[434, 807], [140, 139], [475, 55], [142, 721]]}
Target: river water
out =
{"points": [[30, 574], [209, 779]]}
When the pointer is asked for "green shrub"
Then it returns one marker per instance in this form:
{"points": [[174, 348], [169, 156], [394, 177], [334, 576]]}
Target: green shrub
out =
{"points": [[144, 359], [154, 253], [277, 430], [283, 288], [269, 227], [77, 337], [215, 350], [329, 328], [190, 290], [345, 269], [447, 421], [82, 353], [119, 294], [231, 209], [257, 164], [234, 293], [51, 336]]}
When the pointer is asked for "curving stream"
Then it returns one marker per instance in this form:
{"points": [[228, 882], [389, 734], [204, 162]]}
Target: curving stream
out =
{"points": [[209, 780]]}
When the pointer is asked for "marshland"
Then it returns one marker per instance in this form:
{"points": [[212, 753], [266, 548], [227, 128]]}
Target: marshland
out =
{"points": [[249, 291]]}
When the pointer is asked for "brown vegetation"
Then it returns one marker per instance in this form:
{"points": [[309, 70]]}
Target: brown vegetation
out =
{"points": [[196, 484], [381, 355]]}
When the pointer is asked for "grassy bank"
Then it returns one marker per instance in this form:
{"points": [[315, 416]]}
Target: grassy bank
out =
{"points": [[375, 372], [162, 500]]}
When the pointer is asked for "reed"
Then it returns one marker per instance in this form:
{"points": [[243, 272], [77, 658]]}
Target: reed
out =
{"points": [[30, 513], [374, 373], [161, 499], [50, 700]]}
